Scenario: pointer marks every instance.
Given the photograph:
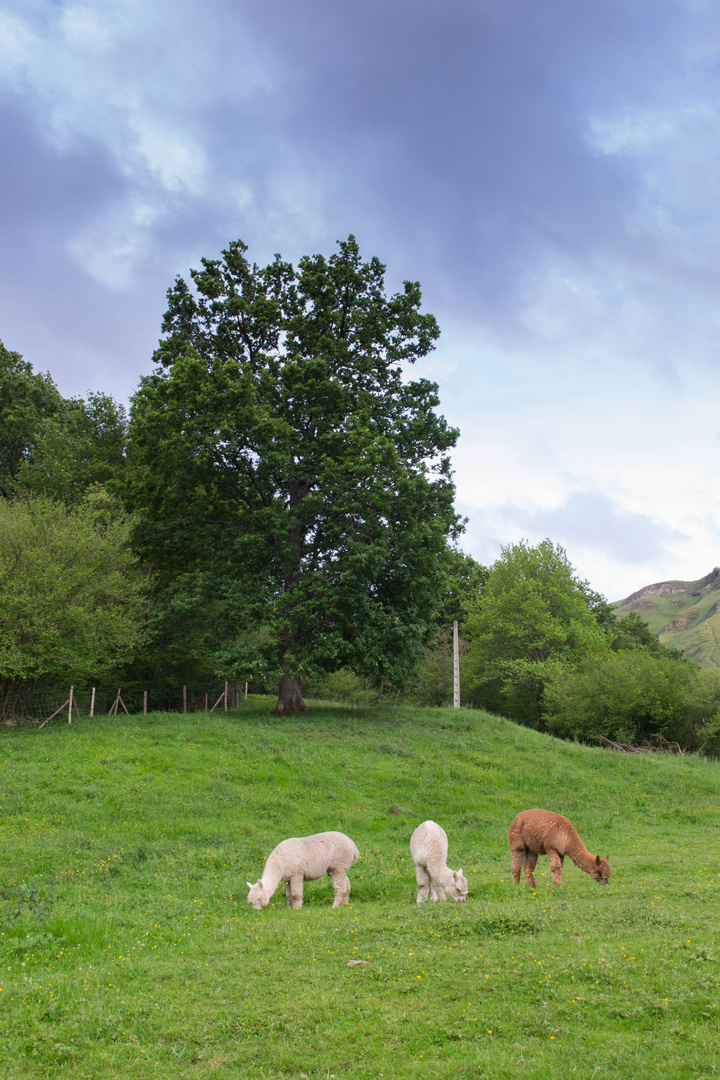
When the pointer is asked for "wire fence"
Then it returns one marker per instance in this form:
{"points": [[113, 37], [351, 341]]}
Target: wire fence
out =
{"points": [[42, 705]]}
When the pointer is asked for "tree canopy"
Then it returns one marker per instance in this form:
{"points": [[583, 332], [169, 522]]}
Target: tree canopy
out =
{"points": [[51, 445], [533, 616], [26, 400], [284, 464]]}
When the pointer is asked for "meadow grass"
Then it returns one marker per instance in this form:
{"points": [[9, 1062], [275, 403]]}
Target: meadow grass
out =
{"points": [[127, 948]]}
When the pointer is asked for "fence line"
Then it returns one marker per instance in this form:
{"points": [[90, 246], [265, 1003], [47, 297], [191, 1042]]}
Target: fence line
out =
{"points": [[40, 705]]}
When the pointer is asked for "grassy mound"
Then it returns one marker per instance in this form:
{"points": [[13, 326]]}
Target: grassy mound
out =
{"points": [[127, 948]]}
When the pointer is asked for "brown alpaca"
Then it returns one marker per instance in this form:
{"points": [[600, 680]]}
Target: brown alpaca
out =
{"points": [[540, 832]]}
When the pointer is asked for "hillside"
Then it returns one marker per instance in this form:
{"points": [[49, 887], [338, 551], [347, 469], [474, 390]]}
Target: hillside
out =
{"points": [[684, 613], [127, 947]]}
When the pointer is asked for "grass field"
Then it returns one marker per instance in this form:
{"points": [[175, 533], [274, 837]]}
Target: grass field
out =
{"points": [[127, 948]]}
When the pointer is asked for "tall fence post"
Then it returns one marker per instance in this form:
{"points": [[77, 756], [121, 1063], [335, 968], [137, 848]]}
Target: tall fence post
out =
{"points": [[144, 702], [92, 702], [246, 691], [226, 689], [70, 705], [184, 699], [456, 666]]}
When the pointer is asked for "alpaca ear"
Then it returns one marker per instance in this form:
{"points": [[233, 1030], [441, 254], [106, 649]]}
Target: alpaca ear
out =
{"points": [[249, 884], [459, 874], [597, 860]]}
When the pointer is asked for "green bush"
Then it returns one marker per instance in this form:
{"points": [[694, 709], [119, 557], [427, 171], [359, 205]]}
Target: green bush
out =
{"points": [[629, 696], [71, 597]]}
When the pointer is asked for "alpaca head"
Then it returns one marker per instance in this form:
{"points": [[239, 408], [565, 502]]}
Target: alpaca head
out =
{"points": [[257, 895], [459, 890], [601, 870]]}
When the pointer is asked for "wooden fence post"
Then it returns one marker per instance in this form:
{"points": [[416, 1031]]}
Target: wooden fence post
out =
{"points": [[246, 691], [144, 702], [226, 684], [70, 705], [456, 667], [184, 699], [115, 705], [222, 697], [92, 702]]}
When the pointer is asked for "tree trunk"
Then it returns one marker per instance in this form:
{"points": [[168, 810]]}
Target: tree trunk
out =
{"points": [[290, 698]]}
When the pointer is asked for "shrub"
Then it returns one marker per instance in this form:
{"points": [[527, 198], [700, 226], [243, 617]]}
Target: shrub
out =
{"points": [[629, 696], [71, 598]]}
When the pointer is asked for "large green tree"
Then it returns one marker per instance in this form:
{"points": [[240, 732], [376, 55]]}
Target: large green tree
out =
{"points": [[282, 460]]}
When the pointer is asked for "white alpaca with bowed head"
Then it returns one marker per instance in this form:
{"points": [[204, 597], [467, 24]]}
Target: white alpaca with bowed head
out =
{"points": [[306, 858], [429, 847]]}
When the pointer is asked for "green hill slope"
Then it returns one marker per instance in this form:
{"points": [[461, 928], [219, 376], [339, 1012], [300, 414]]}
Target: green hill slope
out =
{"points": [[127, 947], [685, 614]]}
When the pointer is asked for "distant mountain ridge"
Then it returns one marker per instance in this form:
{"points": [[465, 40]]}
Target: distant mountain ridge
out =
{"points": [[685, 615]]}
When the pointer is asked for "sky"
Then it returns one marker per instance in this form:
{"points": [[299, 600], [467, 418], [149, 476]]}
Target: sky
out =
{"points": [[549, 172]]}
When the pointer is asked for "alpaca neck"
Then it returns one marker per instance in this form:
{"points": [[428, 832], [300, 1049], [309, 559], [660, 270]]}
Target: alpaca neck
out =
{"points": [[444, 877], [272, 876], [581, 856]]}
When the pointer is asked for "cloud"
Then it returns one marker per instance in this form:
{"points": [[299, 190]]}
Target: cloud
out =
{"points": [[479, 147], [592, 521], [617, 550], [548, 172], [614, 464]]}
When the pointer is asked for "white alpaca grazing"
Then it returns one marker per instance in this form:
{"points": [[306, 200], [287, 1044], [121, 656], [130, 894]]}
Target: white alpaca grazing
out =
{"points": [[429, 847], [306, 858]]}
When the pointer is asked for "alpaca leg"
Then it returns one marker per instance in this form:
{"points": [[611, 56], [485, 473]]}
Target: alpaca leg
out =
{"points": [[341, 886], [530, 864], [436, 891], [423, 883], [294, 891], [556, 864], [518, 858]]}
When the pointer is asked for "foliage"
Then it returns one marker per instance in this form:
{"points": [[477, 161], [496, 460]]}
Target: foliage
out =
{"points": [[465, 579], [631, 631], [625, 695], [80, 446], [703, 711], [434, 682], [71, 596], [344, 687], [281, 460], [26, 400], [54, 446], [533, 617], [635, 690], [151, 826]]}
